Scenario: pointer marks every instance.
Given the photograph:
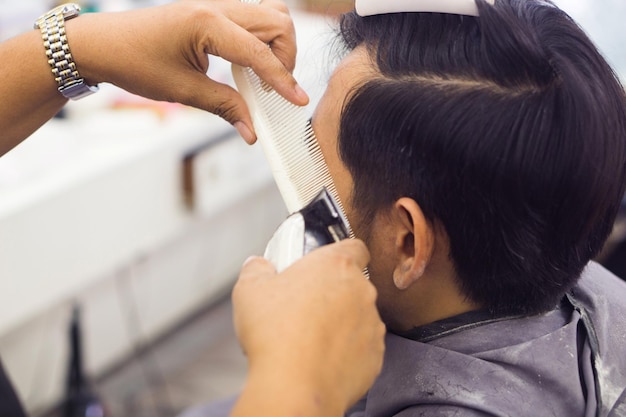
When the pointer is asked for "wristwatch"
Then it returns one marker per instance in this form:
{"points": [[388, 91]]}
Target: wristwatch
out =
{"points": [[52, 27]]}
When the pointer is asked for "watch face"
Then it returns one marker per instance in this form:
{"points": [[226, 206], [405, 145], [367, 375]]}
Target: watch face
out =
{"points": [[69, 10]]}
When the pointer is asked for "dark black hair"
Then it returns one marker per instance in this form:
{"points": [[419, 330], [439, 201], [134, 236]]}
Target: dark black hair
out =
{"points": [[508, 129]]}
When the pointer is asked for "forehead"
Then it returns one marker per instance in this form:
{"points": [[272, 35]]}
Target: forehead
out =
{"points": [[354, 69]]}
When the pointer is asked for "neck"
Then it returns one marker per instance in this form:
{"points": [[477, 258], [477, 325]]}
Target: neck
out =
{"points": [[437, 303], [435, 296]]}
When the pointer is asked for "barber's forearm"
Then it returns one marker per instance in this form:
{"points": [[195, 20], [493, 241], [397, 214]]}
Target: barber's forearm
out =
{"points": [[29, 95], [28, 92]]}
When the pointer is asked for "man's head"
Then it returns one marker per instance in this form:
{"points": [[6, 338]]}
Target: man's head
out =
{"points": [[497, 143]]}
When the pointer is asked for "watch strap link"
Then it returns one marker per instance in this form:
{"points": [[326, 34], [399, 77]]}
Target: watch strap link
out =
{"points": [[52, 27]]}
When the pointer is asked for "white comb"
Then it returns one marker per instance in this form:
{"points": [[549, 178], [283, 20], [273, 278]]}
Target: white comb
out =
{"points": [[288, 141]]}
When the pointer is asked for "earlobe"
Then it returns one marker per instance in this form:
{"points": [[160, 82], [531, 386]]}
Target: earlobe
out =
{"points": [[404, 275], [414, 243]]}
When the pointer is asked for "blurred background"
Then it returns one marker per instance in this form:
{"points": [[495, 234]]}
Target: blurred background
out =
{"points": [[123, 224]]}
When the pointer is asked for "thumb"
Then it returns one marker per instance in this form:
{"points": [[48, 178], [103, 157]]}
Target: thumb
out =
{"points": [[256, 268], [254, 271]]}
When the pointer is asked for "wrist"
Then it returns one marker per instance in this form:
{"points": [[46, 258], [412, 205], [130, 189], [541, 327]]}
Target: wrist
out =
{"points": [[86, 48], [104, 47], [58, 53], [288, 391]]}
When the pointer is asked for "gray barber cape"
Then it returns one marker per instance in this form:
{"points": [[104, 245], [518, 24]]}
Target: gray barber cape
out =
{"points": [[568, 362]]}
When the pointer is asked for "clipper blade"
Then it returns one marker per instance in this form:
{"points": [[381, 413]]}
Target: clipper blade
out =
{"points": [[318, 223]]}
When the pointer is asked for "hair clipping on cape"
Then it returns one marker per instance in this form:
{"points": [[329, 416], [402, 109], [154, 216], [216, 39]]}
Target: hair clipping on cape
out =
{"points": [[373, 7]]}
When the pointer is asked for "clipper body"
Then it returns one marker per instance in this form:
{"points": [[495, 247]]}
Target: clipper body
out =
{"points": [[318, 223]]}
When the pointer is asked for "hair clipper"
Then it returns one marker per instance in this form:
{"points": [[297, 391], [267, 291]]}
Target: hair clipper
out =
{"points": [[318, 223]]}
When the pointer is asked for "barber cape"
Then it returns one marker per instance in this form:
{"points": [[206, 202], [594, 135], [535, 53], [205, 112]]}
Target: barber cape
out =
{"points": [[568, 362]]}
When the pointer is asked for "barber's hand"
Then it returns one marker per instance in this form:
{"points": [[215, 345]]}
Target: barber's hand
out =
{"points": [[313, 330], [161, 52]]}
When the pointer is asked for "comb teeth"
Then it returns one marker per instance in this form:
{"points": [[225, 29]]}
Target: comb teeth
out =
{"points": [[289, 143]]}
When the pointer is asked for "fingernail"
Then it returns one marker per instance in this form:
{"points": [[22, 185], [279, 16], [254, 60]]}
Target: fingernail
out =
{"points": [[247, 261], [302, 95], [244, 131]]}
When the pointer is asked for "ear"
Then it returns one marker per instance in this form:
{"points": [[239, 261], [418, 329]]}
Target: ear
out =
{"points": [[414, 241]]}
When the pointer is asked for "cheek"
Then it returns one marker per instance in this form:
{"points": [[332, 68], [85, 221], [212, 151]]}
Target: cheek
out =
{"points": [[342, 180], [381, 261], [343, 183], [380, 244]]}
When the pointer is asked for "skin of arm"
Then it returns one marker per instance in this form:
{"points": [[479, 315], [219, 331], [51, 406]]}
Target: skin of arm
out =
{"points": [[160, 53], [312, 334], [29, 97]]}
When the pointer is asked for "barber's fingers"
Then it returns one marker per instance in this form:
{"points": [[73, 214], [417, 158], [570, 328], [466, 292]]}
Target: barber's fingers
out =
{"points": [[350, 252], [357, 249], [254, 272], [256, 268], [271, 23], [198, 90], [252, 52]]}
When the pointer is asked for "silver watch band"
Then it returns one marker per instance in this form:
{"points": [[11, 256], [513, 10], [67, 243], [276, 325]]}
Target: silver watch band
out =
{"points": [[52, 27]]}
